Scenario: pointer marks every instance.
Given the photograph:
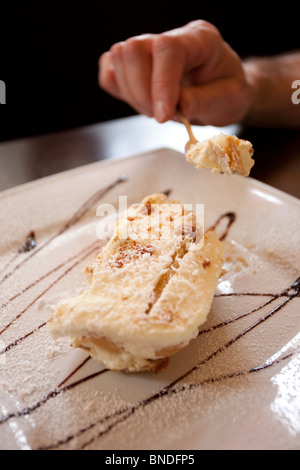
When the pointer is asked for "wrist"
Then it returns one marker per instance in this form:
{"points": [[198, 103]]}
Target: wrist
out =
{"points": [[270, 80], [260, 83]]}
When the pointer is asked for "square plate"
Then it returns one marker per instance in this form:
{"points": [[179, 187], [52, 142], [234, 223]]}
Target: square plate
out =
{"points": [[236, 386]]}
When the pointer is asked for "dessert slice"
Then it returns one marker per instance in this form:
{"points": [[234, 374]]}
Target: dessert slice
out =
{"points": [[222, 154], [150, 289]]}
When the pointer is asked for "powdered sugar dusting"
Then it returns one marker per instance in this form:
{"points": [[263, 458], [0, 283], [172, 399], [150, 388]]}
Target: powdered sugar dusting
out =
{"points": [[53, 396]]}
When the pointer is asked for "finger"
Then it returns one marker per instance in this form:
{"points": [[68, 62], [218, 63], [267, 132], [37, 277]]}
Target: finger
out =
{"points": [[137, 63], [177, 53], [106, 75], [168, 66], [217, 103], [120, 75]]}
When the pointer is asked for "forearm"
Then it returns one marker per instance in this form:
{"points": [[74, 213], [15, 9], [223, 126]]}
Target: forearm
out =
{"points": [[271, 82]]}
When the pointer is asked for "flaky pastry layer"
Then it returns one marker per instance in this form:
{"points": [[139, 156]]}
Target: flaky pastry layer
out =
{"points": [[222, 154], [150, 289]]}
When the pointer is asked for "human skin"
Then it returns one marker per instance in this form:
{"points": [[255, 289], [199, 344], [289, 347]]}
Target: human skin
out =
{"points": [[193, 69]]}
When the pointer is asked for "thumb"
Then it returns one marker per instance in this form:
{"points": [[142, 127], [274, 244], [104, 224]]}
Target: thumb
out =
{"points": [[215, 103]]}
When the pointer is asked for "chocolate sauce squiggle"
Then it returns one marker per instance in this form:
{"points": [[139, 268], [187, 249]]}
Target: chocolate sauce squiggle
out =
{"points": [[231, 216], [29, 244], [123, 414], [296, 292], [86, 253], [29, 409], [166, 390], [37, 281], [52, 394], [234, 340], [76, 217], [83, 363], [126, 412], [285, 293], [176, 391], [81, 211], [21, 339], [232, 320]]}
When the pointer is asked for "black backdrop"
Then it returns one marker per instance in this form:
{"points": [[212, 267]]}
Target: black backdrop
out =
{"points": [[49, 51]]}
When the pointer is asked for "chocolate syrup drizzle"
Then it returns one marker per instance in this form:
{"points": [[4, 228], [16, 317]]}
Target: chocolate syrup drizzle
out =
{"points": [[76, 217], [47, 274], [122, 414], [231, 216], [87, 252], [29, 244], [172, 388]]}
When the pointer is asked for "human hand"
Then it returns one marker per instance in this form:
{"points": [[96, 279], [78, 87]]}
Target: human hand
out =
{"points": [[191, 68]]}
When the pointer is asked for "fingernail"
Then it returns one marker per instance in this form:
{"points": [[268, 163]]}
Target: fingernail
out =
{"points": [[160, 111]]}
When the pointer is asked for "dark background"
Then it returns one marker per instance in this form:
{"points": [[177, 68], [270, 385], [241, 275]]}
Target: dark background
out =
{"points": [[49, 52]]}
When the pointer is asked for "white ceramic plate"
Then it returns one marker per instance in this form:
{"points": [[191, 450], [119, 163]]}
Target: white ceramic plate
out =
{"points": [[240, 377]]}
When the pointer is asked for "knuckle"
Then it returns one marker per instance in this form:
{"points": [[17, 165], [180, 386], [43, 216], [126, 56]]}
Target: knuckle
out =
{"points": [[211, 34], [138, 44], [116, 50], [209, 26], [203, 25], [102, 59], [165, 42], [132, 45]]}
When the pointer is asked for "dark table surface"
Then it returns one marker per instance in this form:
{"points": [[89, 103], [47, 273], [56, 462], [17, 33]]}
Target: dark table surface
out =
{"points": [[277, 152]]}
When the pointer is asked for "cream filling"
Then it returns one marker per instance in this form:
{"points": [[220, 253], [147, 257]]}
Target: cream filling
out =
{"points": [[173, 320], [147, 297], [222, 154]]}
